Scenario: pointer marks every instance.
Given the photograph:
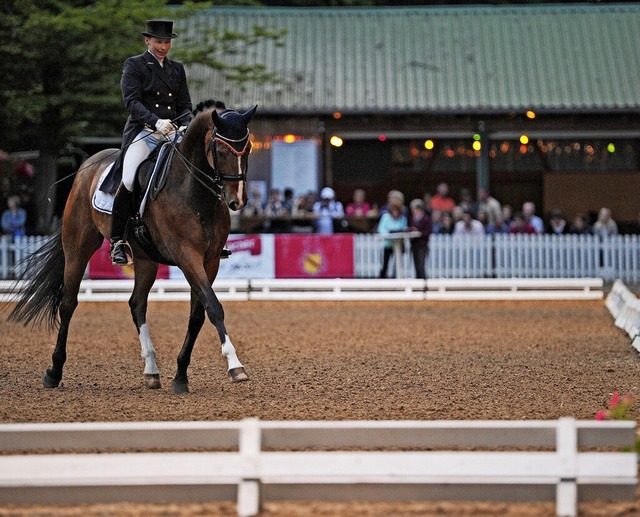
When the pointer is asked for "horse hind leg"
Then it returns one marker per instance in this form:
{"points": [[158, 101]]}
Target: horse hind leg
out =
{"points": [[145, 276]]}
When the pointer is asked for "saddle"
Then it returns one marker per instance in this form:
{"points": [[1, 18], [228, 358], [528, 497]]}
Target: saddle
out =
{"points": [[151, 179]]}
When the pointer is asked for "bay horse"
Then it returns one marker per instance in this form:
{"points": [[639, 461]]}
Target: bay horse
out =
{"points": [[188, 221]]}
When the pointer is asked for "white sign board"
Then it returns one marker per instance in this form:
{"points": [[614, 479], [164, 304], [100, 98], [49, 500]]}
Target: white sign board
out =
{"points": [[295, 165]]}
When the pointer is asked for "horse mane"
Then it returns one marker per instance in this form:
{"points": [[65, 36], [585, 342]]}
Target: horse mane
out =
{"points": [[199, 126]]}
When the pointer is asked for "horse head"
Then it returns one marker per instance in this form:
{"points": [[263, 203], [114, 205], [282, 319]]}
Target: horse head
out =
{"points": [[228, 154]]}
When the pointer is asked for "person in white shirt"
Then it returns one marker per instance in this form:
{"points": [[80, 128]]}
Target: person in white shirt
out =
{"points": [[468, 226]]}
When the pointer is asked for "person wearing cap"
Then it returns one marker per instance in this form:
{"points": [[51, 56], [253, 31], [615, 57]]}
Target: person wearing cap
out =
{"points": [[326, 210], [557, 223], [156, 95]]}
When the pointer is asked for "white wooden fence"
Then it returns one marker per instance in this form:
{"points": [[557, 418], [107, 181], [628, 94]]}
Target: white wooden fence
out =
{"points": [[515, 256], [624, 306], [254, 461], [499, 256]]}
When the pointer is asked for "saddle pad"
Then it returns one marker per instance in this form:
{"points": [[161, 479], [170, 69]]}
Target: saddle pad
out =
{"points": [[103, 201]]}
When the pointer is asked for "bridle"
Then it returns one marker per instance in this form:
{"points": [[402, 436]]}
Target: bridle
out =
{"points": [[239, 148]]}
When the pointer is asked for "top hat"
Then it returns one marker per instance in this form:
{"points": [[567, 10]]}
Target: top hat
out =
{"points": [[162, 29]]}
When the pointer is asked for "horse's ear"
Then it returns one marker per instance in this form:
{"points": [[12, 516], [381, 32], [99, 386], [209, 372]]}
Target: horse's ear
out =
{"points": [[215, 118], [248, 115]]}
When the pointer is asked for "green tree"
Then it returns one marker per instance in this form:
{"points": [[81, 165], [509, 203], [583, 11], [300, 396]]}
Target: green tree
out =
{"points": [[61, 63]]}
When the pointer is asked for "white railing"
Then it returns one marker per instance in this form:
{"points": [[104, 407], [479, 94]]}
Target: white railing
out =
{"points": [[253, 461], [500, 256], [515, 256], [343, 289], [14, 250]]}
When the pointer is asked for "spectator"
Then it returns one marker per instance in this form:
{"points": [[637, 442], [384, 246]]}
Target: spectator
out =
{"points": [[456, 214], [426, 199], [481, 216], [14, 218], [521, 225], [254, 207], [466, 202], [529, 214], [441, 199], [436, 221], [420, 221], [393, 220], [287, 200], [359, 206], [468, 226], [580, 225], [507, 215], [499, 226], [275, 207], [489, 204], [394, 197], [446, 224], [557, 223], [277, 213], [605, 226], [302, 213], [326, 210]]}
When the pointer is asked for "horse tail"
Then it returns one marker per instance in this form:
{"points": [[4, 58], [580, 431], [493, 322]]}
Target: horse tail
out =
{"points": [[40, 300]]}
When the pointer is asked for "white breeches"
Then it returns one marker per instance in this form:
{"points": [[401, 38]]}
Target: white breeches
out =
{"points": [[144, 143]]}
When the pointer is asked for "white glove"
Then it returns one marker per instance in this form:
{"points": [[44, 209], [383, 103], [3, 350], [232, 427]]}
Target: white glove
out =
{"points": [[164, 126], [182, 129]]}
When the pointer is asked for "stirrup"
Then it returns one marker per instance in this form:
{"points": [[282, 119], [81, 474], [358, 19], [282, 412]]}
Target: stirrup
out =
{"points": [[117, 248]]}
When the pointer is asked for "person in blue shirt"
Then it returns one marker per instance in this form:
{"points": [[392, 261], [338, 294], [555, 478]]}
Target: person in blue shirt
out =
{"points": [[393, 220], [14, 218]]}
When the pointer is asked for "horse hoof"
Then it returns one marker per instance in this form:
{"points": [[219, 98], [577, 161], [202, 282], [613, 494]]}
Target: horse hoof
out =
{"points": [[179, 386], [152, 381], [49, 381], [238, 374]]}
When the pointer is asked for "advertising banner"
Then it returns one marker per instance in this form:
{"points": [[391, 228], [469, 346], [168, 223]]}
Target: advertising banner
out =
{"points": [[100, 267], [252, 256], [315, 256]]}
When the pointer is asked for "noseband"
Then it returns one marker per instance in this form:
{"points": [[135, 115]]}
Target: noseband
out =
{"points": [[239, 148]]}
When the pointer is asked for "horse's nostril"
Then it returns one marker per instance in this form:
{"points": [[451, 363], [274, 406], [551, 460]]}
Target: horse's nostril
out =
{"points": [[233, 205]]}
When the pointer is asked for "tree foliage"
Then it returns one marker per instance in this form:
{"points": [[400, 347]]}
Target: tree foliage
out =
{"points": [[62, 61]]}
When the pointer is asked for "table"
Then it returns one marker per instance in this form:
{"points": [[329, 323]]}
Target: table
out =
{"points": [[397, 239]]}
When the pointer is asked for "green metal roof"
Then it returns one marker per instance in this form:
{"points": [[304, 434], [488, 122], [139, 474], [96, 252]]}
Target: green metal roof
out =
{"points": [[484, 59]]}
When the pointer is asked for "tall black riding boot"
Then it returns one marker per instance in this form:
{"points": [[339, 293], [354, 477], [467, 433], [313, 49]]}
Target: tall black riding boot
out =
{"points": [[122, 208]]}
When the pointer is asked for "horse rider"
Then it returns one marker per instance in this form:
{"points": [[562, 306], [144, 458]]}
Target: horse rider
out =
{"points": [[156, 95]]}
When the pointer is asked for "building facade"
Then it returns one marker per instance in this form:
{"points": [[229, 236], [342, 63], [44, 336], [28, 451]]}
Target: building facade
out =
{"points": [[536, 103]]}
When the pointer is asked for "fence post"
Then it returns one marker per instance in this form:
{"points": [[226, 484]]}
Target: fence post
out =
{"points": [[4, 255], [567, 451], [249, 501]]}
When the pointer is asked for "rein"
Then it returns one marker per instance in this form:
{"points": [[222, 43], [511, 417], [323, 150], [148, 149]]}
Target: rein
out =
{"points": [[217, 178]]}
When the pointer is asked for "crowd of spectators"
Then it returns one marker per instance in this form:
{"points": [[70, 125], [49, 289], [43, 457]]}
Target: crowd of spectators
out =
{"points": [[465, 215]]}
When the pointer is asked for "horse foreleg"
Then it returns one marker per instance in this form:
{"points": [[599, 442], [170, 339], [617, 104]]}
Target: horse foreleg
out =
{"points": [[180, 382], [145, 276], [204, 300]]}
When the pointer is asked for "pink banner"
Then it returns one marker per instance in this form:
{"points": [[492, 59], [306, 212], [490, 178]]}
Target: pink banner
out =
{"points": [[100, 267], [315, 256]]}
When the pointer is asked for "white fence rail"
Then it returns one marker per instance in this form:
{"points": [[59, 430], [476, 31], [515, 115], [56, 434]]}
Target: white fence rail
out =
{"points": [[253, 461], [499, 256], [624, 306], [345, 289]]}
